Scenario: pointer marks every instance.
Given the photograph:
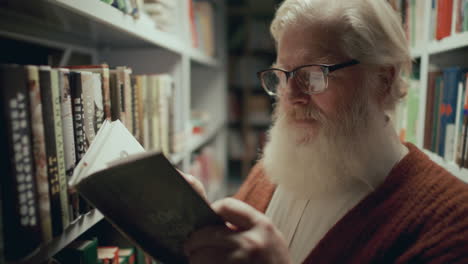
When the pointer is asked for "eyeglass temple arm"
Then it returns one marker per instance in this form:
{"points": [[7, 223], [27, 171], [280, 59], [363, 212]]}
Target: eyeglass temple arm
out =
{"points": [[342, 65]]}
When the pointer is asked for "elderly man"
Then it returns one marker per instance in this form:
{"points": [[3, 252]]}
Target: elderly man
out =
{"points": [[335, 184]]}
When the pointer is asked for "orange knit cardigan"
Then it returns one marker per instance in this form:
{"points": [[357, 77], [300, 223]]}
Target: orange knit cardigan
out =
{"points": [[418, 215]]}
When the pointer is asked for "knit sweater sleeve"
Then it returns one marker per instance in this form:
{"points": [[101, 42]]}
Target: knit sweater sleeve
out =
{"points": [[444, 237], [256, 190]]}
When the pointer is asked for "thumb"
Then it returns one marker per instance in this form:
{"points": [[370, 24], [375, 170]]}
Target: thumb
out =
{"points": [[237, 213]]}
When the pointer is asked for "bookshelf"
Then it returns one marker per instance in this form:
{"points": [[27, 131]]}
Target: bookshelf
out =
{"points": [[106, 34], [447, 52]]}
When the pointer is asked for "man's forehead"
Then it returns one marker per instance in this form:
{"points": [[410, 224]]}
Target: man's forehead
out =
{"points": [[300, 57]]}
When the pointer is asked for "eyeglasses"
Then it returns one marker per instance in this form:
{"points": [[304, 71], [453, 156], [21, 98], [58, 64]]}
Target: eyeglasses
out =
{"points": [[311, 78]]}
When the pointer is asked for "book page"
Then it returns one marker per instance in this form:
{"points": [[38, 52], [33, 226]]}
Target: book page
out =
{"points": [[113, 142]]}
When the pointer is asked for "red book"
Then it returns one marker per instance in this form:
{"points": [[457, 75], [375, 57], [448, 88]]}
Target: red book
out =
{"points": [[444, 18]]}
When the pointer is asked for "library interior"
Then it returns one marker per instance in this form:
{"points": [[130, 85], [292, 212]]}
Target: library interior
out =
{"points": [[126, 127]]}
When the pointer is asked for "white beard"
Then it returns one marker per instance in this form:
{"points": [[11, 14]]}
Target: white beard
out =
{"points": [[334, 159]]}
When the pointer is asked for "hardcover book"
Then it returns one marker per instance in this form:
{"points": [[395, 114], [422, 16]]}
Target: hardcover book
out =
{"points": [[103, 70], [18, 193], [145, 197], [48, 111], [76, 92], [38, 143]]}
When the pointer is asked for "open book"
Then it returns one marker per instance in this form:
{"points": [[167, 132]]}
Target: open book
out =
{"points": [[141, 193]]}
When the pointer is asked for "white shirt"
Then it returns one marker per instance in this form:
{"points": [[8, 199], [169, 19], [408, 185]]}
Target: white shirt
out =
{"points": [[304, 222]]}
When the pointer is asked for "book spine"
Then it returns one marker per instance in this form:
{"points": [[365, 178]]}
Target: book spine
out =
{"points": [[165, 94], [78, 115], [128, 100], [60, 148], [114, 96], [68, 134], [20, 217], [88, 92], [135, 103], [451, 80], [444, 18], [121, 89], [106, 92], [429, 120], [45, 85], [98, 101], [67, 122], [145, 106], [39, 151], [154, 113]]}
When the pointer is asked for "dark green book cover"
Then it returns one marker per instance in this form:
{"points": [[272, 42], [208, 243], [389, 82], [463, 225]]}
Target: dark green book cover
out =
{"points": [[147, 199]]}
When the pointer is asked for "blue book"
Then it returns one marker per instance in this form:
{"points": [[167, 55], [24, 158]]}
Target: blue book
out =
{"points": [[451, 77]]}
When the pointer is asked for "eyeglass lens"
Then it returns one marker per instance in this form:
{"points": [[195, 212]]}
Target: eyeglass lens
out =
{"points": [[309, 79]]}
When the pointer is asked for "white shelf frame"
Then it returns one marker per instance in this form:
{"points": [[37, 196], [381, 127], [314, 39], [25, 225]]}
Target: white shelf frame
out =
{"points": [[142, 28], [424, 52]]}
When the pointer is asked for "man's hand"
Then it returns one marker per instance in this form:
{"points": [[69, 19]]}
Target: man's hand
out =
{"points": [[250, 238]]}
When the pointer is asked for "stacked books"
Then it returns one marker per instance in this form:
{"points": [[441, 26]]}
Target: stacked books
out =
{"points": [[49, 118]]}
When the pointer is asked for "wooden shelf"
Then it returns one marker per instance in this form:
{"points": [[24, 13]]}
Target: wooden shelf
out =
{"points": [[76, 228]]}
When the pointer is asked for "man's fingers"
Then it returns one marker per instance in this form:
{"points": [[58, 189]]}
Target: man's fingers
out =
{"points": [[214, 236], [240, 214]]}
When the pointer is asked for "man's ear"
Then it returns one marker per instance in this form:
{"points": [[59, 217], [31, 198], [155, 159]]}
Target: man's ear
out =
{"points": [[386, 79]]}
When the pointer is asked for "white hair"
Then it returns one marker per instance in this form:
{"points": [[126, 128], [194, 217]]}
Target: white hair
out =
{"points": [[367, 30]]}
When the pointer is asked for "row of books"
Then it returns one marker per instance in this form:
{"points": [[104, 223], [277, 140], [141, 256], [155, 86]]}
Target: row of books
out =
{"points": [[446, 118], [442, 13], [202, 25], [89, 252], [49, 118]]}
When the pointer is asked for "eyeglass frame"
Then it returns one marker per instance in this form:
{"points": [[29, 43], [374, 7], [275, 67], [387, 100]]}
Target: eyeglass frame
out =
{"points": [[326, 69]]}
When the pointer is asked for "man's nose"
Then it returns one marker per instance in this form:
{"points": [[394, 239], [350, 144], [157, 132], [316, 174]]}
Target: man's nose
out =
{"points": [[295, 94]]}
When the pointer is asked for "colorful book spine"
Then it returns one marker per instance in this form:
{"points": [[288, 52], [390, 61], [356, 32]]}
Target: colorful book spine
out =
{"points": [[444, 18], [39, 151], [20, 216], [452, 77], [78, 115]]}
